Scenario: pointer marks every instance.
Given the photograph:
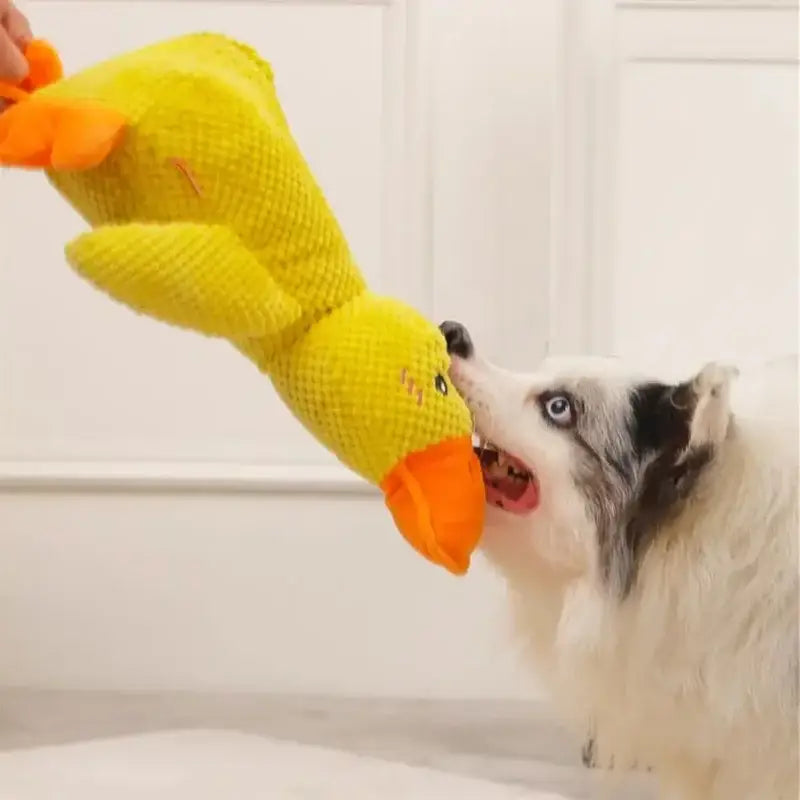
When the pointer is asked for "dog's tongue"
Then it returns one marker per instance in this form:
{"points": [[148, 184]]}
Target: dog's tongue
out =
{"points": [[507, 491], [511, 488], [516, 496]]}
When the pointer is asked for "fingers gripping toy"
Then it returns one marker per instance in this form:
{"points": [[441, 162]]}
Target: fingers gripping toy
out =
{"points": [[204, 215]]}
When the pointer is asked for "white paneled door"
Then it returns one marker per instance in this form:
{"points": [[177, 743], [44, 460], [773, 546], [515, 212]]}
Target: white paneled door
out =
{"points": [[164, 522], [682, 118]]}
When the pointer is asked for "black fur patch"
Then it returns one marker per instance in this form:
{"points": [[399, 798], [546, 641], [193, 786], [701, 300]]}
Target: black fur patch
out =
{"points": [[661, 418], [660, 430], [631, 506]]}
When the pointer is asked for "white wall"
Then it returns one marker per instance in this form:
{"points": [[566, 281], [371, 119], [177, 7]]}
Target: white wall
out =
{"points": [[558, 174]]}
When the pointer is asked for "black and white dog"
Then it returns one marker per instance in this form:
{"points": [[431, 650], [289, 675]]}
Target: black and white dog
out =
{"points": [[648, 535]]}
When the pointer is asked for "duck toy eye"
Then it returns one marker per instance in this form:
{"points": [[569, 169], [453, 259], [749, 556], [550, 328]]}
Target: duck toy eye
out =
{"points": [[440, 384]]}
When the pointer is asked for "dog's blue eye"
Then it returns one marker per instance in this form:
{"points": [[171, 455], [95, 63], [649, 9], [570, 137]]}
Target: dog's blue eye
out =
{"points": [[559, 409], [440, 384]]}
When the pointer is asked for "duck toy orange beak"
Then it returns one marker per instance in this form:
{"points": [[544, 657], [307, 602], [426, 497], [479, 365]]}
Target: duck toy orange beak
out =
{"points": [[437, 499]]}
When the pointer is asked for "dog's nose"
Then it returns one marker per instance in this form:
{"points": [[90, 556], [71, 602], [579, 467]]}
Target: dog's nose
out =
{"points": [[458, 339]]}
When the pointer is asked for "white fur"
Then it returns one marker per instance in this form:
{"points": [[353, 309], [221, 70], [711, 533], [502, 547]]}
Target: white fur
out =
{"points": [[694, 673]]}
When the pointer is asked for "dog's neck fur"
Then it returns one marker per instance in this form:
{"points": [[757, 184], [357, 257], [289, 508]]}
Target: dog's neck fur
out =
{"points": [[702, 585]]}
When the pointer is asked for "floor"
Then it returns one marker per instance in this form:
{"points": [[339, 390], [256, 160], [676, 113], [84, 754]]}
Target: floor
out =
{"points": [[214, 745]]}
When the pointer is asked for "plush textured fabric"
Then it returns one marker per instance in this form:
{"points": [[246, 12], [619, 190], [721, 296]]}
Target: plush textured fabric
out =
{"points": [[205, 215]]}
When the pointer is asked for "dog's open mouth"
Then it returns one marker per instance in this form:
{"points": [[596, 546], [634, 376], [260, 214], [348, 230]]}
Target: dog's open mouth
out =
{"points": [[510, 485]]}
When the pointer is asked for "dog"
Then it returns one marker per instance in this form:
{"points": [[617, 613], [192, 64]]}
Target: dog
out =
{"points": [[647, 532]]}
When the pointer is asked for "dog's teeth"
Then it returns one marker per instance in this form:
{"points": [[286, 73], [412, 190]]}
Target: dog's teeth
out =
{"points": [[501, 459]]}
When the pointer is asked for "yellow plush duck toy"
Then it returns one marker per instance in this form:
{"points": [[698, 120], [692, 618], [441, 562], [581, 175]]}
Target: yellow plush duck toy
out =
{"points": [[204, 214]]}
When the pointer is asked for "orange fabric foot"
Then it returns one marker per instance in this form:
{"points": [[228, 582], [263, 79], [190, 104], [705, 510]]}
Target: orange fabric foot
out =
{"points": [[44, 68], [44, 65], [27, 131], [48, 133], [57, 135], [85, 136]]}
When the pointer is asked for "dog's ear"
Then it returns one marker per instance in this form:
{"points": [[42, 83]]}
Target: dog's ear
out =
{"points": [[710, 394], [676, 429], [681, 418]]}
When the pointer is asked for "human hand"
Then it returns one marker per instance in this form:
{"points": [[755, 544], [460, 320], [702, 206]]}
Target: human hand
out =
{"points": [[15, 33]]}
